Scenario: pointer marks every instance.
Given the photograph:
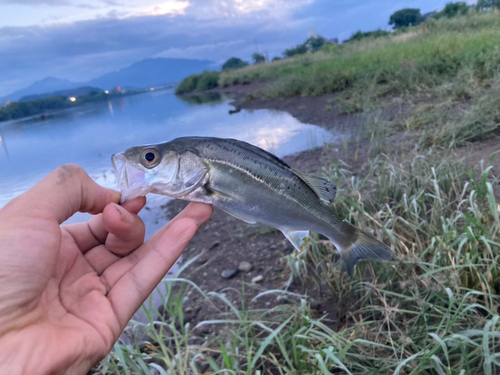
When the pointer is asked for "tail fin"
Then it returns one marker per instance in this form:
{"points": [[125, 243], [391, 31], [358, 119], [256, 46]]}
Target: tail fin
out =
{"points": [[354, 245]]}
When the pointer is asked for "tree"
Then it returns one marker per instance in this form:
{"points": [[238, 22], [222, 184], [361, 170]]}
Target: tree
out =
{"points": [[358, 35], [299, 50], [487, 5], [234, 63], [405, 17], [454, 9], [258, 58], [314, 44], [276, 58]]}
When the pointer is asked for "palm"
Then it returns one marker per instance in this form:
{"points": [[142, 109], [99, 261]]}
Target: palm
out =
{"points": [[68, 291]]}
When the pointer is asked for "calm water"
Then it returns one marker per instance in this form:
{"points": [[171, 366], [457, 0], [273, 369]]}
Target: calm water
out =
{"points": [[88, 136]]}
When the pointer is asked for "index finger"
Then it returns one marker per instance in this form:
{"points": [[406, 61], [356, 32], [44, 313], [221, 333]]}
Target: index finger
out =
{"points": [[67, 190]]}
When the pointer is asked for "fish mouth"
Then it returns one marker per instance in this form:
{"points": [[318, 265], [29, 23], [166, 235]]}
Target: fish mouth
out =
{"points": [[130, 180]]}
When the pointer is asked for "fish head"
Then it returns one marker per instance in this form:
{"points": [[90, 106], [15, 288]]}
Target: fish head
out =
{"points": [[145, 169]]}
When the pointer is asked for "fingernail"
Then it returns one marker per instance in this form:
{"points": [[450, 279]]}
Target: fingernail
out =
{"points": [[126, 216]]}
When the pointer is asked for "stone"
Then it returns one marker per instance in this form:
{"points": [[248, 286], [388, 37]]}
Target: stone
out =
{"points": [[227, 274], [245, 266], [257, 279]]}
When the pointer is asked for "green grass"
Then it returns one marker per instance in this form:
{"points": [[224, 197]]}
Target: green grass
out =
{"points": [[426, 55]]}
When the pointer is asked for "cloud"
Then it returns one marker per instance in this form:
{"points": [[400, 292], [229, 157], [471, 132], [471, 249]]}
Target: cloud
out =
{"points": [[204, 29], [87, 49], [201, 51], [38, 2], [167, 7]]}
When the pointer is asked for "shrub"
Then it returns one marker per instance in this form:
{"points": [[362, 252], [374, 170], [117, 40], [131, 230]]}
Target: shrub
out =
{"points": [[234, 63], [197, 82]]}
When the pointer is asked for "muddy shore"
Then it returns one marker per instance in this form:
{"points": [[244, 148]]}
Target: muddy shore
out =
{"points": [[225, 242]]}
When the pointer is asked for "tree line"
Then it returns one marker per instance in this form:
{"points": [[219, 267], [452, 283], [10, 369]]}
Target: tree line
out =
{"points": [[398, 20]]}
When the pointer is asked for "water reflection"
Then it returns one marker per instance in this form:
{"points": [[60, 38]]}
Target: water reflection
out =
{"points": [[212, 98], [4, 145], [89, 135]]}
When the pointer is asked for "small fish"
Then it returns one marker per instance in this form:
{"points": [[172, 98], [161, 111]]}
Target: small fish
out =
{"points": [[248, 183]]}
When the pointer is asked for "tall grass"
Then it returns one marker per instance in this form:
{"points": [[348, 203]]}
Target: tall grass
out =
{"points": [[434, 310]]}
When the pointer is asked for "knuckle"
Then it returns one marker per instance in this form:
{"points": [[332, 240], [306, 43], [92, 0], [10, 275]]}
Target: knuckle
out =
{"points": [[69, 171]]}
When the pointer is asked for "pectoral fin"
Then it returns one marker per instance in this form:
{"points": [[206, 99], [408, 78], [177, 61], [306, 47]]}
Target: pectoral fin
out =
{"points": [[324, 189], [295, 237]]}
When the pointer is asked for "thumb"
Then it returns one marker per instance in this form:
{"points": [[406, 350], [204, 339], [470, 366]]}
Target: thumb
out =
{"points": [[67, 190]]}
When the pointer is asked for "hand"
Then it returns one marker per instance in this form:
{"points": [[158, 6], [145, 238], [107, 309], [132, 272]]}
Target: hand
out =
{"points": [[67, 292]]}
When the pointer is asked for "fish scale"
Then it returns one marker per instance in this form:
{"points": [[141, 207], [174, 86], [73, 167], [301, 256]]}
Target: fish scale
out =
{"points": [[248, 183]]}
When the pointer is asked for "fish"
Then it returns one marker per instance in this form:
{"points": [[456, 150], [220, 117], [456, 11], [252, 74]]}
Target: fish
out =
{"points": [[248, 183]]}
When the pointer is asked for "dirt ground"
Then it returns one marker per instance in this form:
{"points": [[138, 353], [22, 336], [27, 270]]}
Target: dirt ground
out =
{"points": [[224, 242]]}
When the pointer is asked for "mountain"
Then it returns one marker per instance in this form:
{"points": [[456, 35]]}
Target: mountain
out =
{"points": [[151, 72], [144, 73], [65, 93], [49, 84]]}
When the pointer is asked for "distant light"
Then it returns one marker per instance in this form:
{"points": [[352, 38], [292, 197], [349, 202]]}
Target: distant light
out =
{"points": [[106, 91], [73, 99], [152, 89]]}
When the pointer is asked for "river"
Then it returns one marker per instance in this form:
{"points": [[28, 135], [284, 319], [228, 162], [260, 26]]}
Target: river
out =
{"points": [[88, 135]]}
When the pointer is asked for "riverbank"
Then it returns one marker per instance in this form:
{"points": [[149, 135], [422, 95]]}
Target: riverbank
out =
{"points": [[48, 107], [225, 242]]}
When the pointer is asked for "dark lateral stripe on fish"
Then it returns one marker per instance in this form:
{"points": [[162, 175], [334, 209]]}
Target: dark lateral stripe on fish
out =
{"points": [[261, 180]]}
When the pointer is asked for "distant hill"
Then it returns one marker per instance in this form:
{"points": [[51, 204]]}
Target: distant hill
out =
{"points": [[150, 72], [65, 93], [144, 73], [46, 85]]}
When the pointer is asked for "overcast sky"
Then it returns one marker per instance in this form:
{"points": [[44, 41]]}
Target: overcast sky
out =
{"points": [[82, 39]]}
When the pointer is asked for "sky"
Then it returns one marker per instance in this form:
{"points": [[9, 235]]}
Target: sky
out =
{"points": [[82, 39]]}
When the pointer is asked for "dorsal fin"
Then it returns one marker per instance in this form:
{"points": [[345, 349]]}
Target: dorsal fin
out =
{"points": [[323, 188]]}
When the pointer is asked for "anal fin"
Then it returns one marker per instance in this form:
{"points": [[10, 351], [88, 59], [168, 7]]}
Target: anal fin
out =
{"points": [[296, 237]]}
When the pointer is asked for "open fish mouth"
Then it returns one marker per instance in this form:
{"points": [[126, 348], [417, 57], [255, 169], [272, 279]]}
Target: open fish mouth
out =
{"points": [[131, 181]]}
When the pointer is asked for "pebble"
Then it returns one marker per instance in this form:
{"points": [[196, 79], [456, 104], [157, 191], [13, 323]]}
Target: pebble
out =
{"points": [[245, 266], [257, 279], [214, 245], [227, 274]]}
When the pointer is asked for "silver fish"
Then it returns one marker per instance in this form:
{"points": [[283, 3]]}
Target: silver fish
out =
{"points": [[249, 184]]}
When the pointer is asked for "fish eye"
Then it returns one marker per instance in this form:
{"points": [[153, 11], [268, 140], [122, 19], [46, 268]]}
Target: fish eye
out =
{"points": [[150, 158]]}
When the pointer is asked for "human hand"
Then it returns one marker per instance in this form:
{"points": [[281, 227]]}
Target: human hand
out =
{"points": [[67, 292]]}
